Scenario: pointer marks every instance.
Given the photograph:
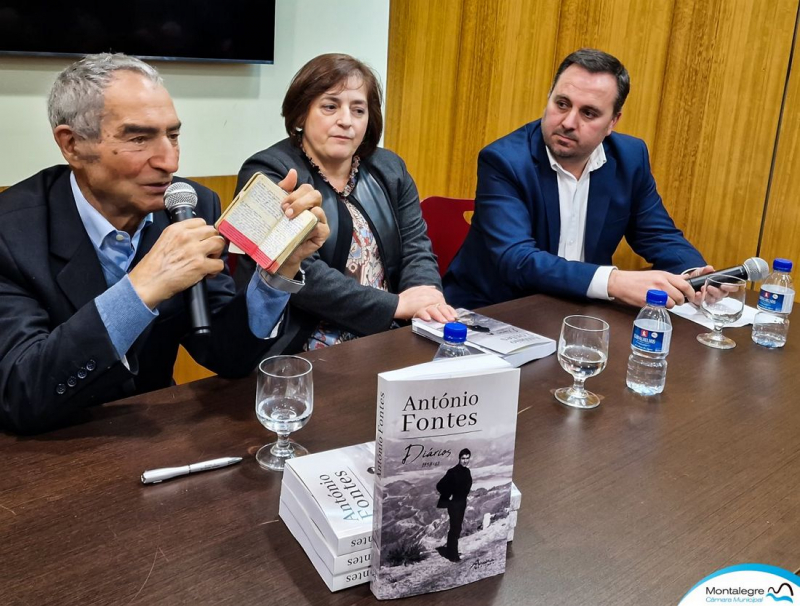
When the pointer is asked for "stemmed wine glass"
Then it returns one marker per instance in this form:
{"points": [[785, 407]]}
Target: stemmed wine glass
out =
{"points": [[723, 303], [582, 352], [284, 403]]}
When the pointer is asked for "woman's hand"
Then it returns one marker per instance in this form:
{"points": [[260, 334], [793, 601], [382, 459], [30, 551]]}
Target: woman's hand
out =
{"points": [[424, 302], [303, 198]]}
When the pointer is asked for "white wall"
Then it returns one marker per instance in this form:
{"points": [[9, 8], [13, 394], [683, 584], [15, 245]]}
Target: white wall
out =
{"points": [[228, 111]]}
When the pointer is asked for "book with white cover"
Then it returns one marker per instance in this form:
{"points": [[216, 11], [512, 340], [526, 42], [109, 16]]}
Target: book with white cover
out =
{"points": [[487, 335], [303, 504], [335, 582], [334, 563], [444, 455], [336, 493]]}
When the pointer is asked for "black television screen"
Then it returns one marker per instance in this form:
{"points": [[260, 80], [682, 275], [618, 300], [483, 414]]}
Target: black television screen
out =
{"points": [[241, 31]]}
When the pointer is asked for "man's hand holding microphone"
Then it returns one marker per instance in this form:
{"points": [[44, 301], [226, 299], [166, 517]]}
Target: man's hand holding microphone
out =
{"points": [[632, 286], [189, 250]]}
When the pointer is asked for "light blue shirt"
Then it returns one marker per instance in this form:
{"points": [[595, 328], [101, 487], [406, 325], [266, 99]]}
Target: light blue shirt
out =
{"points": [[123, 312]]}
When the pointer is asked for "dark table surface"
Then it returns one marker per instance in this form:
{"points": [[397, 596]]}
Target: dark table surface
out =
{"points": [[630, 503]]}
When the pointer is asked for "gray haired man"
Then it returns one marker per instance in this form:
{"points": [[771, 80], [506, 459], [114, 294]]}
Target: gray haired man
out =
{"points": [[91, 271]]}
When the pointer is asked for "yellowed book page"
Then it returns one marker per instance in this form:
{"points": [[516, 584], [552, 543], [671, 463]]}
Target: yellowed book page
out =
{"points": [[256, 210], [255, 223], [286, 235]]}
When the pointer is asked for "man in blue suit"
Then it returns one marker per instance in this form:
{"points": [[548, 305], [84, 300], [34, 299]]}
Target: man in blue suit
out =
{"points": [[556, 197]]}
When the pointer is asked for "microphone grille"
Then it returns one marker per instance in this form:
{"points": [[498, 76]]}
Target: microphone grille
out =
{"points": [[180, 194], [757, 269]]}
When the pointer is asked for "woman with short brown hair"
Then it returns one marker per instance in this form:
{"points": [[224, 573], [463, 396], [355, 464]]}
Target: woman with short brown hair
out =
{"points": [[377, 267]]}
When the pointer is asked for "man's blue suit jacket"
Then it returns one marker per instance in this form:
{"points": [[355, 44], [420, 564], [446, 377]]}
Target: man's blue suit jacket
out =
{"points": [[512, 247]]}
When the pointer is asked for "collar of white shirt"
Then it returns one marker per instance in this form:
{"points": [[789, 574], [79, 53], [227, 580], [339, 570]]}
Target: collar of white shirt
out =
{"points": [[596, 160]]}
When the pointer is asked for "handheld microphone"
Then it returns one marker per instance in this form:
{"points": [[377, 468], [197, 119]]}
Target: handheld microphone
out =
{"points": [[753, 269], [180, 200]]}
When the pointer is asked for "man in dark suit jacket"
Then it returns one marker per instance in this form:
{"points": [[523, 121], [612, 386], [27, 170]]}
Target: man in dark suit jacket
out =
{"points": [[453, 489], [556, 197], [92, 273]]}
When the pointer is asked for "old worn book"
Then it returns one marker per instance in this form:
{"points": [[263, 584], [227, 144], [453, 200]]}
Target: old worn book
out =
{"points": [[487, 335], [255, 224], [335, 582], [444, 454], [335, 490]]}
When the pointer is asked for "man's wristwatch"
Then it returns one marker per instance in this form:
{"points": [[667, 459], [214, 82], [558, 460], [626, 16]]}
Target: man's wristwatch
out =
{"points": [[278, 282]]}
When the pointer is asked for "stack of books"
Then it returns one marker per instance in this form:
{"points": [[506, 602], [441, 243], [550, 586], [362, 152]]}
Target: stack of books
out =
{"points": [[326, 503]]}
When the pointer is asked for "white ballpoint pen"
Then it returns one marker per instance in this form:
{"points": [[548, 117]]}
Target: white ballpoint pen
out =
{"points": [[154, 476]]}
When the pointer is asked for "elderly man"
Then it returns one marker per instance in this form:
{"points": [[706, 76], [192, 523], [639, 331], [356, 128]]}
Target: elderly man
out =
{"points": [[92, 273], [556, 197]]}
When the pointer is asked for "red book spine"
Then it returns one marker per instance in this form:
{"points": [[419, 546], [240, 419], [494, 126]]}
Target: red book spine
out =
{"points": [[248, 246]]}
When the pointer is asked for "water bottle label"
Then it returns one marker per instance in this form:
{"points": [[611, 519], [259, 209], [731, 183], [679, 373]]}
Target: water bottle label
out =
{"points": [[653, 341], [776, 302]]}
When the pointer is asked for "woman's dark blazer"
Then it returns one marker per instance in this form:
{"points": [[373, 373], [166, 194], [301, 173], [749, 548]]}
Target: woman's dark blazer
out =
{"points": [[399, 230]]}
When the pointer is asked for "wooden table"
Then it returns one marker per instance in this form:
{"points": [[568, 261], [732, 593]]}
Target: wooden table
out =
{"points": [[631, 503]]}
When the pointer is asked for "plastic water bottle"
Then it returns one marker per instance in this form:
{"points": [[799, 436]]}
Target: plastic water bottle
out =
{"points": [[652, 333], [455, 334], [771, 324]]}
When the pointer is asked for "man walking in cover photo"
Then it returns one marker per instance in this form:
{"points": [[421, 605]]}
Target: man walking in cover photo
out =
{"points": [[453, 489]]}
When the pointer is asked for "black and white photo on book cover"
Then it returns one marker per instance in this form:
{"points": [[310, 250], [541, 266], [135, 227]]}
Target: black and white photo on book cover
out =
{"points": [[515, 345], [444, 459]]}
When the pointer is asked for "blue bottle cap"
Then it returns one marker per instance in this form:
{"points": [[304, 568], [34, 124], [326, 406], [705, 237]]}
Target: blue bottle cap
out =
{"points": [[455, 332], [657, 298], [782, 265]]}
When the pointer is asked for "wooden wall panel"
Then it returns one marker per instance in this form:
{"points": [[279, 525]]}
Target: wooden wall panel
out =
{"points": [[781, 237], [186, 369], [707, 82], [224, 186], [423, 65], [502, 79], [522, 62], [454, 85], [718, 119]]}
